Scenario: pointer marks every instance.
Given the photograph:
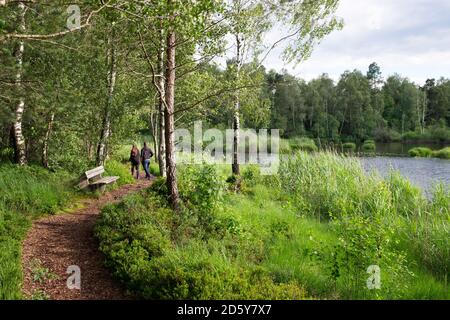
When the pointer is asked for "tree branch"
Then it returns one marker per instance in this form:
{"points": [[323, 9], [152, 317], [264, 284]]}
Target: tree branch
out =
{"points": [[52, 35], [214, 94], [152, 68]]}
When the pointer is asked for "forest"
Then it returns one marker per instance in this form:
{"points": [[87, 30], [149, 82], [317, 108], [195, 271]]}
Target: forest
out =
{"points": [[81, 83]]}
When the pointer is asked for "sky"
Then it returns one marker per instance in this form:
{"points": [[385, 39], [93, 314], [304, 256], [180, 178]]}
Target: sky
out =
{"points": [[408, 37]]}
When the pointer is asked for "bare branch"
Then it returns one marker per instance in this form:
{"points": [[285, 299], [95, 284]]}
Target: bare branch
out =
{"points": [[53, 35], [152, 68]]}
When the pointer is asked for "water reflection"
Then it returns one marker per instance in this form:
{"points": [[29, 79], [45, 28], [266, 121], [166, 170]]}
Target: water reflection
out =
{"points": [[423, 172]]}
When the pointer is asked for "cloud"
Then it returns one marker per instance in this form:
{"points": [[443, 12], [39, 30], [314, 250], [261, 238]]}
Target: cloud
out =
{"points": [[410, 37]]}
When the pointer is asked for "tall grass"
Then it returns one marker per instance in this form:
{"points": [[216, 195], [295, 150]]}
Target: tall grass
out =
{"points": [[25, 193], [115, 168], [379, 221]]}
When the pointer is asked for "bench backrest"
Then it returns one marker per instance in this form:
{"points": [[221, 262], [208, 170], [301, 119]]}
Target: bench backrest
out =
{"points": [[94, 172]]}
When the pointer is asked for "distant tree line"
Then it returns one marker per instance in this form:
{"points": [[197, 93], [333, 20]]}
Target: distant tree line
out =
{"points": [[359, 106]]}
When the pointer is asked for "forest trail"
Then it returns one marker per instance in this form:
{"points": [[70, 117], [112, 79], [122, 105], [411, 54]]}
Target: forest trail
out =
{"points": [[56, 242]]}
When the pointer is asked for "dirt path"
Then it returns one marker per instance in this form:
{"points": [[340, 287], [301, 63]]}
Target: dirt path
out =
{"points": [[54, 243]]}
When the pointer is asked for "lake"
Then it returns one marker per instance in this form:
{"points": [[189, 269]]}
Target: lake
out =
{"points": [[422, 172]]}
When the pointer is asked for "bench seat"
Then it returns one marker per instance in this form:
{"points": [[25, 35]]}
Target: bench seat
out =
{"points": [[106, 180], [94, 180]]}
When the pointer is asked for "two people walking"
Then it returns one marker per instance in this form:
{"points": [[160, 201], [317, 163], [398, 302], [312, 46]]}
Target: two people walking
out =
{"points": [[137, 157]]}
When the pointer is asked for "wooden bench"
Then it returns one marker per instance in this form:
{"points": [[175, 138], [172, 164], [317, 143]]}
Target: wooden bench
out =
{"points": [[94, 180]]}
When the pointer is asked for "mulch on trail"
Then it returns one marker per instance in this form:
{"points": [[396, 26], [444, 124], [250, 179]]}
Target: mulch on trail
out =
{"points": [[56, 242]]}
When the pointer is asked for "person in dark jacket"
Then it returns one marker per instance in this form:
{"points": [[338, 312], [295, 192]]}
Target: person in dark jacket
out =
{"points": [[135, 160], [146, 154]]}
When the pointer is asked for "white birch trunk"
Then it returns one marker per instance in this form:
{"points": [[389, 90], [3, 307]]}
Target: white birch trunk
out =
{"points": [[236, 116], [106, 124], [161, 84], [19, 140]]}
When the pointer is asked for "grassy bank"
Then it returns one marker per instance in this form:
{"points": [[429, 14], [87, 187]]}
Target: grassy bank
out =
{"points": [[428, 153], [310, 232]]}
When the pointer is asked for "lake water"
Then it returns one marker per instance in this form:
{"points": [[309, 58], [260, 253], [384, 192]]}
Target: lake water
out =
{"points": [[422, 172], [402, 148]]}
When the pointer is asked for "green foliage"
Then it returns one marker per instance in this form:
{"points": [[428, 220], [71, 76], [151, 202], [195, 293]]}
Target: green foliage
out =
{"points": [[154, 168], [384, 222], [312, 231], [6, 154], [304, 144], [443, 153], [362, 243], [427, 152], [33, 189], [251, 175], [386, 135], [433, 133], [200, 188], [115, 168], [369, 146], [284, 147], [140, 240], [349, 146], [440, 132], [420, 152]]}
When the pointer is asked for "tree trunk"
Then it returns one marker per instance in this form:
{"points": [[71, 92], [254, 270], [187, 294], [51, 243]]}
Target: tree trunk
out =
{"points": [[236, 118], [172, 186], [19, 140], [162, 140], [106, 124], [424, 110], [154, 129], [46, 140]]}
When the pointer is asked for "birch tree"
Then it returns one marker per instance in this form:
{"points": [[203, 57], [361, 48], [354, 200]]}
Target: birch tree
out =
{"points": [[19, 141], [111, 62], [306, 23]]}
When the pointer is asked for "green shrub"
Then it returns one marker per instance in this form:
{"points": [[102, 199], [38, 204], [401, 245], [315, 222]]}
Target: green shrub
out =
{"points": [[115, 168], [386, 135], [420, 152], [435, 132], [154, 168], [139, 238], [251, 176], [369, 146], [6, 154], [440, 132], [364, 243], [284, 147], [443, 153], [200, 187], [349, 146], [414, 135], [159, 186], [305, 144]]}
